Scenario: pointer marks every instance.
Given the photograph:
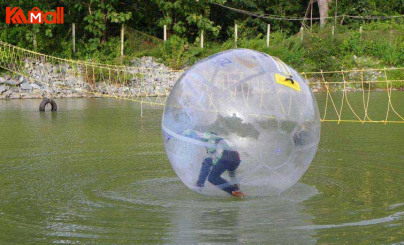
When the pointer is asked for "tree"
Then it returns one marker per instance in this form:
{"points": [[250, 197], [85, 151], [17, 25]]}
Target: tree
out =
{"points": [[99, 13], [323, 9], [187, 17]]}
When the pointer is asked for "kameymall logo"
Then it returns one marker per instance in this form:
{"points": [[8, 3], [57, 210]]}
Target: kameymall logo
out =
{"points": [[35, 16]]}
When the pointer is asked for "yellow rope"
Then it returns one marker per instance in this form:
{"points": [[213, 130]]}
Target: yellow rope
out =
{"points": [[347, 101], [389, 94], [14, 59], [353, 70], [356, 121]]}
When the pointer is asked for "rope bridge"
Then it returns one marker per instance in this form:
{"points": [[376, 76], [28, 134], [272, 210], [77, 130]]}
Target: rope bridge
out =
{"points": [[152, 85], [337, 103]]}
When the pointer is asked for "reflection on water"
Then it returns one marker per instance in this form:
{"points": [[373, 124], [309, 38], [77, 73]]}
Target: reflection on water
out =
{"points": [[393, 217], [203, 219], [96, 172]]}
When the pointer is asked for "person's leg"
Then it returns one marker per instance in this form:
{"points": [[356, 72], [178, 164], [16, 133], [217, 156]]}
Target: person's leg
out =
{"points": [[216, 179], [233, 166], [204, 172], [232, 174]]}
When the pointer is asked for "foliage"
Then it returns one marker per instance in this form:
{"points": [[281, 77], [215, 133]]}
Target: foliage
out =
{"points": [[98, 24], [100, 13], [175, 51], [187, 18]]}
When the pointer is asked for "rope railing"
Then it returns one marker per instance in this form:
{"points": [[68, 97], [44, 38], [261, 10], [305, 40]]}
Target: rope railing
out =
{"points": [[365, 89], [152, 86], [286, 18]]}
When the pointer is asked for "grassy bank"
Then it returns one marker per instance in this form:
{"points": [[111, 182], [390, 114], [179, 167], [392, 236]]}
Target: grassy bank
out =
{"points": [[317, 50], [379, 45]]}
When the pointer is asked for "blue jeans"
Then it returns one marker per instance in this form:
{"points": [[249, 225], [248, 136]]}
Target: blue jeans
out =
{"points": [[215, 171]]}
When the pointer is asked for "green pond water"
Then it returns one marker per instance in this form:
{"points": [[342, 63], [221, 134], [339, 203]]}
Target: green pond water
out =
{"points": [[96, 172]]}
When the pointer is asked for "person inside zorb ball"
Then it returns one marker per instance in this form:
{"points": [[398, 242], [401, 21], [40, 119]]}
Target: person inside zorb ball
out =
{"points": [[240, 122]]}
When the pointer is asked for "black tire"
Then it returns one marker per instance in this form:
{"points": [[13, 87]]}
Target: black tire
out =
{"points": [[48, 101]]}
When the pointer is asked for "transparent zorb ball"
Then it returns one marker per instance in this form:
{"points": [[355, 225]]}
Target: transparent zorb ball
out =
{"points": [[255, 105]]}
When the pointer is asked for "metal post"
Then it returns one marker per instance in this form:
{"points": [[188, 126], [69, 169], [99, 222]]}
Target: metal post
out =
{"points": [[311, 15], [302, 32], [201, 38], [141, 109], [122, 38], [74, 37], [268, 33], [235, 34], [165, 33]]}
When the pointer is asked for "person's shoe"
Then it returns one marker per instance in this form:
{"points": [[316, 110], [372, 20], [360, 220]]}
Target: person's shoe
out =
{"points": [[199, 185], [238, 194]]}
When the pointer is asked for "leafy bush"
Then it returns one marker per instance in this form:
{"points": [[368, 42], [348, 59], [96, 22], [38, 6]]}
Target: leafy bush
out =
{"points": [[176, 52], [353, 44]]}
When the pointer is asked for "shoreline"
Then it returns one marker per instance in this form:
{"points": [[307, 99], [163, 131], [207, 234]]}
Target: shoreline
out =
{"points": [[41, 94], [43, 79]]}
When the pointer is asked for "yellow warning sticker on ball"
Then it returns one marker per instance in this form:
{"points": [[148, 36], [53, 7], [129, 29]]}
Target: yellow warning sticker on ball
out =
{"points": [[287, 81]]}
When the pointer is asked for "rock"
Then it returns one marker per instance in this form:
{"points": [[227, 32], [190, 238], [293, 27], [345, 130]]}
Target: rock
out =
{"points": [[110, 90], [15, 96], [63, 70], [48, 67], [7, 94], [26, 86], [12, 82], [70, 81], [122, 90], [36, 91], [87, 87], [48, 91], [148, 77], [102, 91], [35, 86], [3, 89], [40, 85], [134, 90], [59, 84], [26, 96]]}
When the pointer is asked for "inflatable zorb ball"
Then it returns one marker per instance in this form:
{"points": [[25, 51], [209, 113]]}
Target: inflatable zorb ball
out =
{"points": [[258, 106]]}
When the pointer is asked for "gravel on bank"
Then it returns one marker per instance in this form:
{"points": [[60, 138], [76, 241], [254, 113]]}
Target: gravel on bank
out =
{"points": [[149, 78]]}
